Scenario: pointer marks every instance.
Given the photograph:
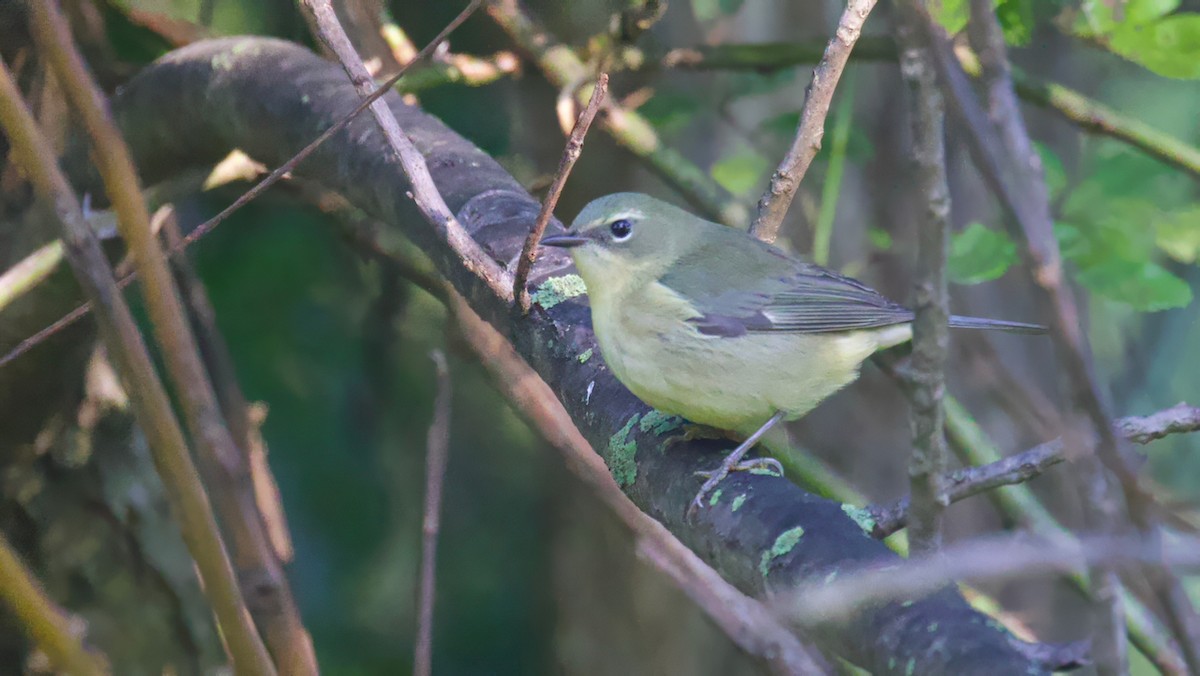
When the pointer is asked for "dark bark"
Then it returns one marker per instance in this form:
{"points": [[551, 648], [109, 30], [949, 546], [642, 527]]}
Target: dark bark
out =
{"points": [[270, 97]]}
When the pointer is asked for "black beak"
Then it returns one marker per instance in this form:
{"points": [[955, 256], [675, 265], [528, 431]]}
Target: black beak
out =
{"points": [[564, 241]]}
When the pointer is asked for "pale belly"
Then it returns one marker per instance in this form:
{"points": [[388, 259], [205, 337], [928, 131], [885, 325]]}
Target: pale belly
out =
{"points": [[729, 383]]}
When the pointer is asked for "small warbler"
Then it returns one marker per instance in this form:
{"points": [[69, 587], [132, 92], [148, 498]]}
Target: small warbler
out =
{"points": [[709, 323]]}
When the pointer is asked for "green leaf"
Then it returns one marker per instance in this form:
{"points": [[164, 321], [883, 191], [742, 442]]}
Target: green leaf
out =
{"points": [[951, 14], [979, 254], [1169, 46], [740, 172], [1144, 286], [1178, 234], [1016, 20]]}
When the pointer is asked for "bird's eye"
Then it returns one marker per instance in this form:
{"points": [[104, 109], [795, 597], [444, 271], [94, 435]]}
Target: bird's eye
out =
{"points": [[621, 229]]}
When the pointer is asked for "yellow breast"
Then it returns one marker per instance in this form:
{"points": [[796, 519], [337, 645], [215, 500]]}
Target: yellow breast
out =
{"points": [[729, 383]]}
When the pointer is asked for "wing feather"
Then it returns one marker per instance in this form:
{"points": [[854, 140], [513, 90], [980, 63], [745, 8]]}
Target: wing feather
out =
{"points": [[738, 290]]}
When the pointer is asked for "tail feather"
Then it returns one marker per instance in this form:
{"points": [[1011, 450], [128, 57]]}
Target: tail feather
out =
{"points": [[959, 322]]}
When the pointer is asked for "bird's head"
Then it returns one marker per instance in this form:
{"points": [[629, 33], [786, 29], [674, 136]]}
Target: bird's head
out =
{"points": [[625, 237]]}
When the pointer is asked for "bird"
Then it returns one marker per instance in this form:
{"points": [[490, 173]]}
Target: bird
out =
{"points": [[709, 323]]}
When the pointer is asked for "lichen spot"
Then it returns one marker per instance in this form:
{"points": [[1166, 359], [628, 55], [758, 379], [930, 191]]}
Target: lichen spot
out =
{"points": [[738, 501], [785, 543], [911, 667], [716, 497], [861, 517], [621, 454], [557, 289], [658, 423], [764, 471], [585, 356]]}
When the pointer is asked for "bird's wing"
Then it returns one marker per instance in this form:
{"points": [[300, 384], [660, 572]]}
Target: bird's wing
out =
{"points": [[739, 289]]}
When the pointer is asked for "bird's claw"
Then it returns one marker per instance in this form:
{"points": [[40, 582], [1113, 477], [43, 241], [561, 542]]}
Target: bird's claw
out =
{"points": [[716, 476]]}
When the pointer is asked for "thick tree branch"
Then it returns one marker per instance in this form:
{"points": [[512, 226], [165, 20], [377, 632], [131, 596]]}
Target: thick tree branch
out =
{"points": [[762, 533], [773, 205]]}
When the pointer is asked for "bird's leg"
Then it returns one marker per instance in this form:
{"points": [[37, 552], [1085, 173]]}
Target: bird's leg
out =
{"points": [[733, 463]]}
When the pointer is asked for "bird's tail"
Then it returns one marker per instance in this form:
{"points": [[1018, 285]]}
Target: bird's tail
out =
{"points": [[959, 322]]}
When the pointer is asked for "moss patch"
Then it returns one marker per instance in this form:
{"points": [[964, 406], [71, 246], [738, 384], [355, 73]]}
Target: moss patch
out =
{"points": [[861, 517], [785, 543], [737, 502], [621, 454], [557, 289], [658, 423]]}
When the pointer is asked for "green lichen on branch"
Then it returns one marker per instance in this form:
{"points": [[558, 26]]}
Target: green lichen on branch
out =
{"points": [[785, 543], [621, 454], [557, 289], [658, 423], [861, 517], [737, 502], [716, 497], [585, 356]]}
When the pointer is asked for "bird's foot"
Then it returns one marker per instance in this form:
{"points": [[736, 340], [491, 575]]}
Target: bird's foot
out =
{"points": [[732, 463]]}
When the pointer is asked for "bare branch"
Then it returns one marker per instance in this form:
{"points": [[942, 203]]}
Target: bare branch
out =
{"points": [[424, 193], [1180, 418], [994, 558], [45, 623], [927, 382], [630, 130], [964, 483], [1073, 106], [570, 155], [437, 450], [773, 205]]}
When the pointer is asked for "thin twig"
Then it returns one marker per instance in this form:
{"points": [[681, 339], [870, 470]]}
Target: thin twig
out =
{"points": [[151, 406], [45, 623], [242, 488], [993, 558], [570, 154], [964, 483], [1073, 106], [630, 130], [930, 458], [424, 192], [29, 272], [1016, 469], [259, 188], [1019, 504], [1180, 418], [436, 454], [773, 205]]}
